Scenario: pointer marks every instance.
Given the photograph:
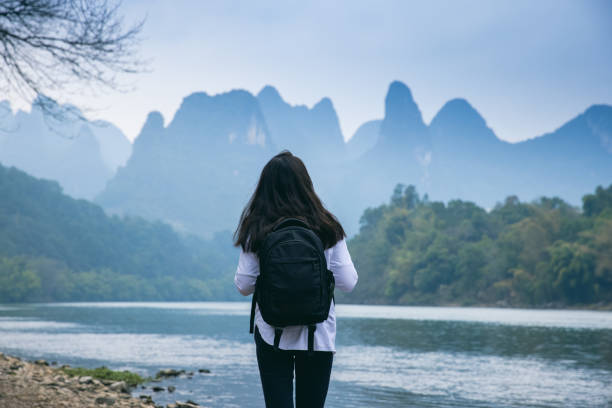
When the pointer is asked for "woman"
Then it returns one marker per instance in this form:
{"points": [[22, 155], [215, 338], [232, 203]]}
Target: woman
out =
{"points": [[285, 190]]}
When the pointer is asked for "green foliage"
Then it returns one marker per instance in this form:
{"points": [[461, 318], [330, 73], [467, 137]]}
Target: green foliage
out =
{"points": [[104, 373], [572, 267], [17, 279], [414, 251], [55, 248], [410, 251], [601, 201]]}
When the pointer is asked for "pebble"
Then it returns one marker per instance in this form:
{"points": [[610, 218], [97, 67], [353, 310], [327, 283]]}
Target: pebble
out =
{"points": [[105, 400], [188, 404], [169, 372], [119, 386], [85, 379]]}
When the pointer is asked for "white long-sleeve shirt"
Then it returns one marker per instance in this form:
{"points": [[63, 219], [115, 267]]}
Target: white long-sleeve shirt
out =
{"points": [[296, 337]]}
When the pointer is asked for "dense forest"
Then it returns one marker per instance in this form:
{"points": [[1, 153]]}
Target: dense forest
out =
{"points": [[409, 251], [544, 253], [56, 248]]}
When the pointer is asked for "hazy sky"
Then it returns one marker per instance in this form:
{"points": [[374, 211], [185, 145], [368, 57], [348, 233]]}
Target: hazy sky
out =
{"points": [[526, 66]]}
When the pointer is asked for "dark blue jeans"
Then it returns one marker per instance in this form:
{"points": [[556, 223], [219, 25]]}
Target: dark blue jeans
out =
{"points": [[276, 371]]}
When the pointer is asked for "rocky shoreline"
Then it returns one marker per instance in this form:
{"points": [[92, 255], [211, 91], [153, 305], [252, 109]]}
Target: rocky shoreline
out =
{"points": [[36, 384]]}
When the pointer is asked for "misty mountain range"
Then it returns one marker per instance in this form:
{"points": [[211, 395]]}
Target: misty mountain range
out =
{"points": [[82, 156], [198, 170]]}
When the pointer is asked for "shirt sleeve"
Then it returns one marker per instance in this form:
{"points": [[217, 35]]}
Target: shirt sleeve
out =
{"points": [[342, 267], [246, 272]]}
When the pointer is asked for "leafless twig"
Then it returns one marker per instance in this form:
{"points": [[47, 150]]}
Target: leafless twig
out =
{"points": [[53, 48]]}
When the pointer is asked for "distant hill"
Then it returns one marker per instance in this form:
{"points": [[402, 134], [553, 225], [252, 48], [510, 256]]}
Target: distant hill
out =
{"points": [[315, 133], [469, 161], [365, 137], [197, 171], [472, 163], [311, 133], [459, 156], [401, 153], [56, 248], [82, 156]]}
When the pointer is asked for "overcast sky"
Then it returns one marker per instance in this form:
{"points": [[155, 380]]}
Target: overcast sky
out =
{"points": [[526, 66]]}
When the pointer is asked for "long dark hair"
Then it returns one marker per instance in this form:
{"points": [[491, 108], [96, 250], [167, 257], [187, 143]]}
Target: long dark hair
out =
{"points": [[284, 190]]}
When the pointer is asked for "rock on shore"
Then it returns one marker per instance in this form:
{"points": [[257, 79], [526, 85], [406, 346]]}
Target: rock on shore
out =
{"points": [[26, 384]]}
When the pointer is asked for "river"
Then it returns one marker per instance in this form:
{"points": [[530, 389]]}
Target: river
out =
{"points": [[386, 356]]}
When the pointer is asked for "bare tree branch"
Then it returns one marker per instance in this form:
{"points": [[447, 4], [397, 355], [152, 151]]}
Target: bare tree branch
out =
{"points": [[53, 48]]}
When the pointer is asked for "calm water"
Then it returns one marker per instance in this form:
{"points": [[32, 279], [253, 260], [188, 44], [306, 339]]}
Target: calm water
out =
{"points": [[387, 356]]}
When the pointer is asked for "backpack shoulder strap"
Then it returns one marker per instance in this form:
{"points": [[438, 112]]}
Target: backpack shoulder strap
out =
{"points": [[288, 222], [278, 331], [253, 302], [311, 331]]}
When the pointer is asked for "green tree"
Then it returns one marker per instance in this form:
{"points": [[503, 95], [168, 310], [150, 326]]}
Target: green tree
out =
{"points": [[573, 266], [17, 280], [415, 251], [601, 201]]}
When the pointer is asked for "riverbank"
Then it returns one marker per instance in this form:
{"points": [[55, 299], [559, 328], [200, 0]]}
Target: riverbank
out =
{"points": [[26, 384]]}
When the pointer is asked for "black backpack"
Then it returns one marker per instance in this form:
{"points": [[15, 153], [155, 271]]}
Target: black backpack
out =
{"points": [[294, 286]]}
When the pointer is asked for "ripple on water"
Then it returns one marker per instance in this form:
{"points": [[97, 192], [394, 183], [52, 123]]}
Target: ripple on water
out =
{"points": [[20, 323], [579, 319], [142, 349], [474, 377], [155, 305]]}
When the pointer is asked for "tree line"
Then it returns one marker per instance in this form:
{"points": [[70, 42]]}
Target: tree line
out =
{"points": [[542, 253], [410, 251], [56, 248]]}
